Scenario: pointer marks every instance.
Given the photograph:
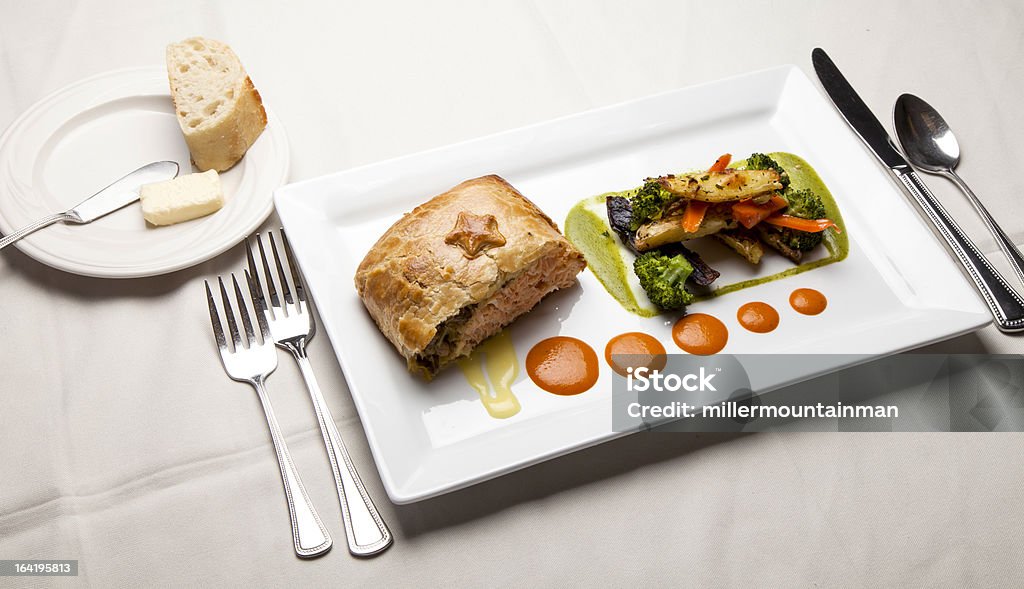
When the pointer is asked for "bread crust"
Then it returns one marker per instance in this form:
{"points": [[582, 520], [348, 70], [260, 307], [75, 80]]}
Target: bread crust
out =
{"points": [[219, 146], [411, 281]]}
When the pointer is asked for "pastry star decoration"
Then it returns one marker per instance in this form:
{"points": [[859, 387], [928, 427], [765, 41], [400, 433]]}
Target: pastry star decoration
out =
{"points": [[475, 234]]}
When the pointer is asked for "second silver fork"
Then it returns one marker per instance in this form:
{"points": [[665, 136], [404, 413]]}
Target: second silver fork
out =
{"points": [[253, 363], [292, 326]]}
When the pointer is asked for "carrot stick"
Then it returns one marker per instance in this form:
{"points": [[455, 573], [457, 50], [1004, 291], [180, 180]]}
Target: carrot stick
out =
{"points": [[721, 163], [749, 214], [808, 225], [694, 215]]}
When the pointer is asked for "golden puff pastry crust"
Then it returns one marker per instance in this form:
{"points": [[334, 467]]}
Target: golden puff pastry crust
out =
{"points": [[459, 267]]}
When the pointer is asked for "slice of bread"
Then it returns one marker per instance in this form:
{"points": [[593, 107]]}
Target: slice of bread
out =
{"points": [[219, 110]]}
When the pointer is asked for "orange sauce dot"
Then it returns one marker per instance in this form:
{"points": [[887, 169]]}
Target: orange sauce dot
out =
{"points": [[758, 317], [562, 365], [633, 350], [700, 334], [808, 301]]}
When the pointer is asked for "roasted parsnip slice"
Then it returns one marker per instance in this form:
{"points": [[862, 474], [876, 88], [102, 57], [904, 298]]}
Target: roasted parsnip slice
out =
{"points": [[669, 229], [744, 243], [726, 186]]}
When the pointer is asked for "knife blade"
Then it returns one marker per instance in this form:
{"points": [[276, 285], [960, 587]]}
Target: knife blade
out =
{"points": [[119, 194], [123, 192], [1006, 305], [856, 113]]}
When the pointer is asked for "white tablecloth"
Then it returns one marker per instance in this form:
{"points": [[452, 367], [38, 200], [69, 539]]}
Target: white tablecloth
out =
{"points": [[123, 444]]}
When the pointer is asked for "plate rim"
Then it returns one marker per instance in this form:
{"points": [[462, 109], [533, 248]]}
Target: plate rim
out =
{"points": [[289, 202], [274, 128]]}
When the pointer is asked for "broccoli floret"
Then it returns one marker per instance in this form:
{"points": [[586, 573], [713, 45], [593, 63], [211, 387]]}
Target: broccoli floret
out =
{"points": [[648, 203], [806, 205], [662, 278], [760, 161], [801, 240]]}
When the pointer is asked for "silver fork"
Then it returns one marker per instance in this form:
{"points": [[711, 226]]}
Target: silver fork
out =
{"points": [[252, 363], [292, 325]]}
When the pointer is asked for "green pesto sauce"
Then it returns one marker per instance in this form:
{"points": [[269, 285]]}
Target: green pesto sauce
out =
{"points": [[587, 228]]}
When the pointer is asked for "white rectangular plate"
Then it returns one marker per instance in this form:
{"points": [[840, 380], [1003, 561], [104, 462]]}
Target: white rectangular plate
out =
{"points": [[898, 288]]}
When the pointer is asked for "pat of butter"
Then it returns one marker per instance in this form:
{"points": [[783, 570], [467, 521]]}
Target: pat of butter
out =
{"points": [[182, 199]]}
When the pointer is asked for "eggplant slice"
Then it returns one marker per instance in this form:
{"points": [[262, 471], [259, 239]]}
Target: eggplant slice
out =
{"points": [[620, 215], [702, 273]]}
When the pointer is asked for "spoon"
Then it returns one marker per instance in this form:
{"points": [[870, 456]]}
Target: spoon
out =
{"points": [[931, 146]]}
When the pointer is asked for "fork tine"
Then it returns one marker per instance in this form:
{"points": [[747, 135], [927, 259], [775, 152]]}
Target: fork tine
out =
{"points": [[243, 309], [274, 300], [218, 329], [300, 289], [280, 270], [261, 318], [258, 300], [232, 326]]}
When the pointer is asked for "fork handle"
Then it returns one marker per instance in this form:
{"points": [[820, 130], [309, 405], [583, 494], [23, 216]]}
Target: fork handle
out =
{"points": [[45, 221], [308, 532], [366, 532]]}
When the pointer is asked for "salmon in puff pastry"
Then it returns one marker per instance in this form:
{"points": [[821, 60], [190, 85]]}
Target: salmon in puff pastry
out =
{"points": [[461, 266]]}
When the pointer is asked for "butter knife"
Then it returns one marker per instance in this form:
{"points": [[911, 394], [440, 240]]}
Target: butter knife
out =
{"points": [[119, 194], [1006, 305]]}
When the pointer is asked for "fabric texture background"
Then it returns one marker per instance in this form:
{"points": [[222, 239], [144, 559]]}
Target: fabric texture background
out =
{"points": [[124, 445]]}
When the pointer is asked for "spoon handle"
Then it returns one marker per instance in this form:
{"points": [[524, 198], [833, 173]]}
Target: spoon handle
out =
{"points": [[1005, 243], [1006, 305]]}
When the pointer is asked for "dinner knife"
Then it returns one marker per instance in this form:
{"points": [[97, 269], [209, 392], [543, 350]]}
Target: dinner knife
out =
{"points": [[1006, 305], [121, 193]]}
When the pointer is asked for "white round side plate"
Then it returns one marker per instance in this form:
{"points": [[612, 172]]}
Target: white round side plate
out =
{"points": [[81, 138]]}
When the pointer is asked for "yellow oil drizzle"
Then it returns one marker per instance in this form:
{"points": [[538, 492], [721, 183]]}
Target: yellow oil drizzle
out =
{"points": [[498, 357]]}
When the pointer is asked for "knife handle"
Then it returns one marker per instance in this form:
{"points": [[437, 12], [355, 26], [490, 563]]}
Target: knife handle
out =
{"points": [[1006, 305], [1010, 249], [45, 221]]}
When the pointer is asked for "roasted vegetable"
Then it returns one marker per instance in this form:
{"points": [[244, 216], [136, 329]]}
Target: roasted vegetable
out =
{"points": [[663, 278], [804, 204], [703, 274], [800, 241], [804, 225], [649, 203], [760, 161], [693, 216], [620, 215], [721, 163], [725, 186], [669, 229], [748, 213], [773, 237], [745, 208], [743, 242]]}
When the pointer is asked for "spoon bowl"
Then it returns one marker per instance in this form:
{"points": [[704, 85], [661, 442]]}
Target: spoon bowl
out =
{"points": [[924, 135], [931, 146]]}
